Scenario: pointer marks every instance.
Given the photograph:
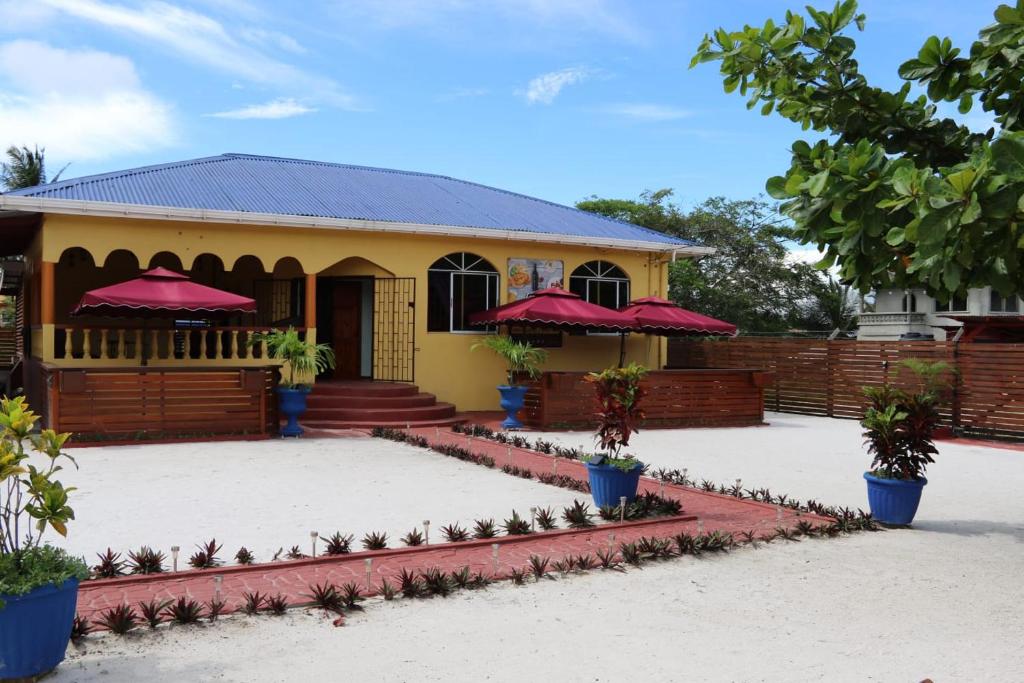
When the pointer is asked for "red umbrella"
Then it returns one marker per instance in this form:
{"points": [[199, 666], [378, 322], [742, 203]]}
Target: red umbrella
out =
{"points": [[555, 307], [161, 292], [658, 316]]}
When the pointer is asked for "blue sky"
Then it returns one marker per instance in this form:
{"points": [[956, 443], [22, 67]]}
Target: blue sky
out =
{"points": [[559, 99]]}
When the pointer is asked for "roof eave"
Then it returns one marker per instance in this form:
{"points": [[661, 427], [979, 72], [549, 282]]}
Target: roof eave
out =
{"points": [[146, 212]]}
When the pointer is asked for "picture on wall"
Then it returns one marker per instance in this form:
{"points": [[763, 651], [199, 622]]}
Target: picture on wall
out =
{"points": [[526, 275]]}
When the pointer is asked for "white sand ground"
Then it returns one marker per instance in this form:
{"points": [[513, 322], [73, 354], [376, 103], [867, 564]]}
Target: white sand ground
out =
{"points": [[942, 600], [267, 494]]}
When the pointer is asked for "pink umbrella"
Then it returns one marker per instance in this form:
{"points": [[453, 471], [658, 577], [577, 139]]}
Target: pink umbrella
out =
{"points": [[659, 316], [161, 292], [555, 307]]}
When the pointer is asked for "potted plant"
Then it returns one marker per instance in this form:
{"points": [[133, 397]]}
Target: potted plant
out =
{"points": [[38, 582], [899, 427], [613, 475], [522, 358], [304, 359]]}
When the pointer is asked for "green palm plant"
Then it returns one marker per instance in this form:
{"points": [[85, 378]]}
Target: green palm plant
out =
{"points": [[520, 357], [25, 168], [304, 358]]}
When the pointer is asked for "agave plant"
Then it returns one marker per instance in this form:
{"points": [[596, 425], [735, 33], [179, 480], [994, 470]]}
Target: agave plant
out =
{"points": [[153, 611], [214, 608], [338, 544], [244, 556], [146, 560], [206, 555], [277, 605], [413, 538], [546, 519], [453, 533], [409, 584], [110, 565], [516, 525], [184, 611], [375, 541], [253, 602], [539, 566], [326, 596], [578, 515], [119, 620], [437, 582], [484, 528], [80, 628]]}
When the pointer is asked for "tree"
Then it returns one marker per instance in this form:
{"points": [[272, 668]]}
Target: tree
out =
{"points": [[25, 168], [831, 306], [748, 281], [899, 196]]}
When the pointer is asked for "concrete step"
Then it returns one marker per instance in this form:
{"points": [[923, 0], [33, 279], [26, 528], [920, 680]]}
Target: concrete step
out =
{"points": [[356, 424], [437, 411]]}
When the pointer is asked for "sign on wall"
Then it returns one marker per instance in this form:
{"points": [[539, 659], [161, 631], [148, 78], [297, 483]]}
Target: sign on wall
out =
{"points": [[526, 275]]}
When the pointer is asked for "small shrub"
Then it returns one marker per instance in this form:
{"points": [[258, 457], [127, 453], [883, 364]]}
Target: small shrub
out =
{"points": [[338, 544], [110, 565], [253, 602], [145, 560], [409, 584], [295, 553], [119, 620], [437, 582], [80, 628], [214, 608], [185, 611], [375, 541], [587, 562], [630, 554], [546, 519], [413, 538], [326, 596], [578, 515], [244, 556], [277, 605], [539, 566], [387, 590], [351, 596], [516, 525], [462, 578], [453, 533], [206, 556], [484, 528], [480, 581], [607, 559], [518, 576], [153, 611]]}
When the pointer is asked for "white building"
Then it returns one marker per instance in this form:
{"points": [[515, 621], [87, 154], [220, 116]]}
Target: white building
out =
{"points": [[897, 314]]}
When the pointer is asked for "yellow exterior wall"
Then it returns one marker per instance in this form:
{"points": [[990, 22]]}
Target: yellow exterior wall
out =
{"points": [[444, 364]]}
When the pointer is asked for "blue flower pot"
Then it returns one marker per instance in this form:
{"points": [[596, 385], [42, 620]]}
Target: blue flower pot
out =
{"points": [[512, 398], [894, 501], [292, 404], [608, 484], [35, 629]]}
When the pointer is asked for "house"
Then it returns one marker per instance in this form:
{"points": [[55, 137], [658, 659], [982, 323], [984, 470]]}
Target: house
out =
{"points": [[383, 265], [982, 315]]}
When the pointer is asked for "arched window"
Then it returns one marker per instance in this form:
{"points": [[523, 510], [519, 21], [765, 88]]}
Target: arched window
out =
{"points": [[909, 302], [602, 283], [457, 285]]}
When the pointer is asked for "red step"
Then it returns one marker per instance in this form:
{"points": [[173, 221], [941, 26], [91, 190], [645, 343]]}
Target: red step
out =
{"points": [[364, 404], [364, 388], [317, 400], [429, 412]]}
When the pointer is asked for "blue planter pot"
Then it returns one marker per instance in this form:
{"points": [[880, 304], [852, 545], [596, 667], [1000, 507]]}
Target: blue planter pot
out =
{"points": [[608, 484], [894, 501], [292, 404], [35, 629], [512, 397]]}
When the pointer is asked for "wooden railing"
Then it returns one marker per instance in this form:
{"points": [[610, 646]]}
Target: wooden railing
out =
{"points": [[8, 346], [185, 346], [683, 398]]}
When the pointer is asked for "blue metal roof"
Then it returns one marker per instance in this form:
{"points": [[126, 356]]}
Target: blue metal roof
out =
{"points": [[293, 187]]}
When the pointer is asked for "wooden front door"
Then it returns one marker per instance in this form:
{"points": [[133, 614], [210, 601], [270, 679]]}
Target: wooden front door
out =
{"points": [[346, 332]]}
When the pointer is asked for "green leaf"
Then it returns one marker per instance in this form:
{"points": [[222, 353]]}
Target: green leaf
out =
{"points": [[776, 187], [951, 276], [1008, 155], [966, 102], [896, 236], [930, 53], [816, 183], [1007, 15]]}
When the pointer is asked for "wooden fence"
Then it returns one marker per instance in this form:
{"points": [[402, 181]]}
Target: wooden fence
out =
{"points": [[675, 398], [820, 377], [8, 347], [124, 403]]}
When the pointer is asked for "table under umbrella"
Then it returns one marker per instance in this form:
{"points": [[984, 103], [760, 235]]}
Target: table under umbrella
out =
{"points": [[161, 293], [654, 315]]}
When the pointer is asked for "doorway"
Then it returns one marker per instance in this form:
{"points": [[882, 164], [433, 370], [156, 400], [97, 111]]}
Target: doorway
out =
{"points": [[346, 328]]}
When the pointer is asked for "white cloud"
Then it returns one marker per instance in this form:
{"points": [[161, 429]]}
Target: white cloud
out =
{"points": [[202, 39], [18, 16], [546, 87], [648, 112], [78, 104], [462, 93], [281, 108], [280, 40]]}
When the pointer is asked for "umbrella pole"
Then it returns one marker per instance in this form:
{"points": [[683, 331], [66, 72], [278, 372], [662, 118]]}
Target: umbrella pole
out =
{"points": [[622, 349]]}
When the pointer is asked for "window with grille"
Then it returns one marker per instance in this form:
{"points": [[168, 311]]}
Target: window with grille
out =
{"points": [[1003, 304], [458, 285], [602, 283]]}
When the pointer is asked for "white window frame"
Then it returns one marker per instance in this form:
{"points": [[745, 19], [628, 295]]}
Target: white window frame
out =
{"points": [[599, 276], [492, 279]]}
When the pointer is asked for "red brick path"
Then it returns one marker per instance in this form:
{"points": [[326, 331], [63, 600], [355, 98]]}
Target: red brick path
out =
{"points": [[708, 511]]}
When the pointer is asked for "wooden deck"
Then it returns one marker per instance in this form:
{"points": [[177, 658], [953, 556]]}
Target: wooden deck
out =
{"points": [[675, 398]]}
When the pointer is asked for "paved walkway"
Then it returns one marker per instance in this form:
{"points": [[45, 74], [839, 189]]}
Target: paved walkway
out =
{"points": [[492, 557]]}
